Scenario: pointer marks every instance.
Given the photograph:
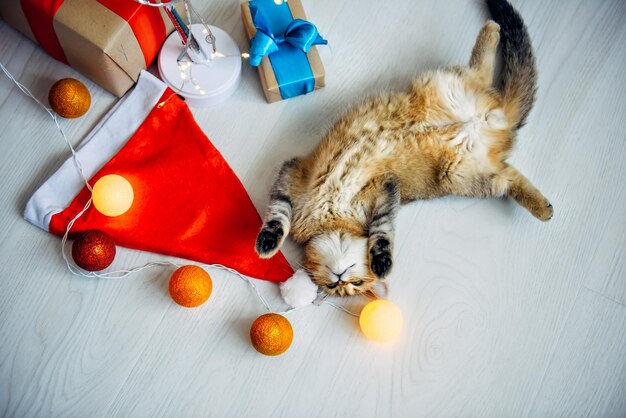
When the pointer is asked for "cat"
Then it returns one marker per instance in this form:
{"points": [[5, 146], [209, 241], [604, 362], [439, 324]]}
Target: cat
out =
{"points": [[450, 134]]}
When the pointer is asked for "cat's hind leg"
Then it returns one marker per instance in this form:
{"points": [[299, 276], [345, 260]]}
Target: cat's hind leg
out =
{"points": [[510, 182], [381, 226], [277, 220], [483, 58]]}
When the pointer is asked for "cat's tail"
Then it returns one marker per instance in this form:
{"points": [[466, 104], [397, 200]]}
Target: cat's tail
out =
{"points": [[519, 75]]}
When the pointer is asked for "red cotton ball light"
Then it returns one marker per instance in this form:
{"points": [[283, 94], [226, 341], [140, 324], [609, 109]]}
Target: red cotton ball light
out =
{"points": [[93, 250]]}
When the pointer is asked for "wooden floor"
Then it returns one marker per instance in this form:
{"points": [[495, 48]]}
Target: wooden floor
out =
{"points": [[504, 315]]}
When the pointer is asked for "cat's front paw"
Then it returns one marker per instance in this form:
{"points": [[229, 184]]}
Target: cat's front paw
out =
{"points": [[380, 258], [269, 239], [381, 264]]}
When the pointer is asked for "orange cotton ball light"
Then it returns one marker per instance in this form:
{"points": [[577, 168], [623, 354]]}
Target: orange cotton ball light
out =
{"points": [[381, 321], [93, 250], [190, 286], [271, 334], [112, 195], [69, 98]]}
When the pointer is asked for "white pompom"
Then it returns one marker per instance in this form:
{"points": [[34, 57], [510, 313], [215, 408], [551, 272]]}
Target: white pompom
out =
{"points": [[298, 290]]}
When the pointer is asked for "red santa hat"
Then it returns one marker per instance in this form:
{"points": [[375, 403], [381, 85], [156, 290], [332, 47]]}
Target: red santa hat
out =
{"points": [[187, 200]]}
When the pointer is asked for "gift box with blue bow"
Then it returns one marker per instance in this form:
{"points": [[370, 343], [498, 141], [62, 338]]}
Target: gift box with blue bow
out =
{"points": [[282, 47]]}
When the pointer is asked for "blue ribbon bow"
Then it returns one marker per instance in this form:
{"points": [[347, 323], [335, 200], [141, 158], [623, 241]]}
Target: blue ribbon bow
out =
{"points": [[299, 33], [285, 41]]}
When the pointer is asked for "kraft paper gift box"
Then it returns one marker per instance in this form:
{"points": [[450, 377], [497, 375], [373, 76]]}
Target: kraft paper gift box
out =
{"points": [[109, 41], [287, 71]]}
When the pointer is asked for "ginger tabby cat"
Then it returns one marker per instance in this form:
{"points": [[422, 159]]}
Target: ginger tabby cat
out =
{"points": [[450, 134]]}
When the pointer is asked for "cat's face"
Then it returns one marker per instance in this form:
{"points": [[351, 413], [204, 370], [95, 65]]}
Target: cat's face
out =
{"points": [[339, 264]]}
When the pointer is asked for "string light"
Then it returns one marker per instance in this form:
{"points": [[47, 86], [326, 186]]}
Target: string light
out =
{"points": [[185, 74], [183, 66]]}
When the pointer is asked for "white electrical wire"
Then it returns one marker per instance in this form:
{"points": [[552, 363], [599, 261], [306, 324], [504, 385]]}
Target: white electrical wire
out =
{"points": [[120, 274]]}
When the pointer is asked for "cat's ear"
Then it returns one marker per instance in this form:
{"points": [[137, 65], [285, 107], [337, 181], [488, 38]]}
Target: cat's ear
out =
{"points": [[379, 290]]}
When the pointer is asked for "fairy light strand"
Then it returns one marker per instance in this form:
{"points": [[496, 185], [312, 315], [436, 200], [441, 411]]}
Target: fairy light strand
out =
{"points": [[121, 274]]}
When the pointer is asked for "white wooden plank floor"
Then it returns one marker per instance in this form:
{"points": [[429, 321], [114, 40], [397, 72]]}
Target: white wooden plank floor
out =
{"points": [[505, 316]]}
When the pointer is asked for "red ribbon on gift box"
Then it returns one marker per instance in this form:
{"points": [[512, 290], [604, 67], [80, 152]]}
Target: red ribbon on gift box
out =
{"points": [[40, 16], [142, 20], [146, 23]]}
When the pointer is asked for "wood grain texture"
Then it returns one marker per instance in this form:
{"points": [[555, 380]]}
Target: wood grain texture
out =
{"points": [[577, 383], [504, 315]]}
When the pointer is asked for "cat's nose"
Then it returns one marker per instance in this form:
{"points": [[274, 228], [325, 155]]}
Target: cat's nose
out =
{"points": [[338, 275]]}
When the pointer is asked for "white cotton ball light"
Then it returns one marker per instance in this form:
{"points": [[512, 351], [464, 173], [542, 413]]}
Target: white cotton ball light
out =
{"points": [[112, 195], [298, 290], [381, 321]]}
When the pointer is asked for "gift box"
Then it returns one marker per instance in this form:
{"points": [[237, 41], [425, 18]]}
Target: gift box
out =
{"points": [[109, 41], [282, 46]]}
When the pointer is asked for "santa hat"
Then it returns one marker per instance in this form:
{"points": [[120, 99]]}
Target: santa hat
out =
{"points": [[187, 200]]}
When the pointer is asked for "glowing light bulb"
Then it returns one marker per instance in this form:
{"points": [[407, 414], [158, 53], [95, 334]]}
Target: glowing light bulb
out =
{"points": [[278, 2], [245, 55], [381, 321], [183, 76], [112, 195]]}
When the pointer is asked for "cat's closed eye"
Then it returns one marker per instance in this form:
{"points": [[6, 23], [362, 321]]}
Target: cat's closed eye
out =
{"points": [[332, 285], [357, 283]]}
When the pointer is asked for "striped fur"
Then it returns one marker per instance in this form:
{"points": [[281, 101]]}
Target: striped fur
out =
{"points": [[450, 134], [519, 80]]}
